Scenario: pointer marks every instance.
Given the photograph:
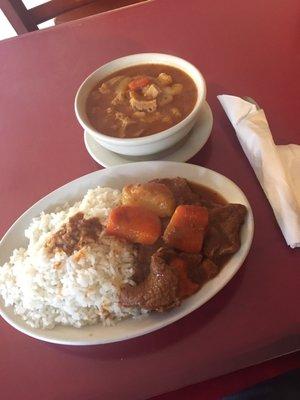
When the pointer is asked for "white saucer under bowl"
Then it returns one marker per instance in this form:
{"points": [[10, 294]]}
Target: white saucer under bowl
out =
{"points": [[182, 151]]}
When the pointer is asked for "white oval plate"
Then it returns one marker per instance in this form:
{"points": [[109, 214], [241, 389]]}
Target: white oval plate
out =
{"points": [[118, 177], [182, 151]]}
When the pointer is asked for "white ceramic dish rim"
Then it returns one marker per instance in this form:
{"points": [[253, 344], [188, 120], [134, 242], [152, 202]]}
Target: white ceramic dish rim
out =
{"points": [[133, 60], [144, 172]]}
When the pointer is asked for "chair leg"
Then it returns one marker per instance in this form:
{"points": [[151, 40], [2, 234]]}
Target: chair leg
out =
{"points": [[18, 16]]}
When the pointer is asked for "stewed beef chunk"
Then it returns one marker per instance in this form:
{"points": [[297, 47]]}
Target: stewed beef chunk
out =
{"points": [[223, 233], [194, 266], [208, 269], [143, 260], [181, 190], [185, 194], [159, 291], [199, 270]]}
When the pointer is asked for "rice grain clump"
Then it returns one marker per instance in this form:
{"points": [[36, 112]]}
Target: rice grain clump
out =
{"points": [[48, 289]]}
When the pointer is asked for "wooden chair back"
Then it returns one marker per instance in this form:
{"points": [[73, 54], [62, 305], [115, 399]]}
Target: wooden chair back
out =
{"points": [[26, 20]]}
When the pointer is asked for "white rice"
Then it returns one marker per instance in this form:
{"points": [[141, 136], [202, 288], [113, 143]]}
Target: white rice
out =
{"points": [[76, 290]]}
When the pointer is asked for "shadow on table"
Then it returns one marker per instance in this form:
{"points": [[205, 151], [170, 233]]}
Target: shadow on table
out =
{"points": [[286, 386]]}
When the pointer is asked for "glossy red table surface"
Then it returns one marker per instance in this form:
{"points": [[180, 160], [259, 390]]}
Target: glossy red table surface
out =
{"points": [[241, 48]]}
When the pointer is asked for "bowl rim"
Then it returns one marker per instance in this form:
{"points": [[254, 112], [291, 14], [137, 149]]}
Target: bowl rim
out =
{"points": [[156, 136]]}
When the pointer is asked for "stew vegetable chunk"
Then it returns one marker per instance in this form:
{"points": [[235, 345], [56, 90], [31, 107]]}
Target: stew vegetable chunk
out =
{"points": [[153, 196], [186, 229], [134, 223]]}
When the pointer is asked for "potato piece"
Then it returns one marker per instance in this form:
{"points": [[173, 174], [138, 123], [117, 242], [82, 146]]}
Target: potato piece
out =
{"points": [[176, 113], [153, 196], [151, 91], [136, 224], [186, 229], [164, 79], [176, 89]]}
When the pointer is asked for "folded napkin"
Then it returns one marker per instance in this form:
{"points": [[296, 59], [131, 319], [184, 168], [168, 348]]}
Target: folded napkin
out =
{"points": [[277, 167]]}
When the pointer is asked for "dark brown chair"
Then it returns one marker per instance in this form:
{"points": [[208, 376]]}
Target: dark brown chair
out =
{"points": [[26, 20]]}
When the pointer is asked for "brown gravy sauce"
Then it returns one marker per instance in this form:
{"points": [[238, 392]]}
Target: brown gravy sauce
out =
{"points": [[74, 234], [208, 194]]}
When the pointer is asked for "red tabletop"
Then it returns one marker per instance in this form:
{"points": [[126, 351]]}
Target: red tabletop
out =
{"points": [[217, 388], [241, 48]]}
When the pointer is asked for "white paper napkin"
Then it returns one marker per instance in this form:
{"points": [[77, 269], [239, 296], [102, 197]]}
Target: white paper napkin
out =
{"points": [[277, 167]]}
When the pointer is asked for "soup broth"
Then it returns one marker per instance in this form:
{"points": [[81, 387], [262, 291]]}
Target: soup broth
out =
{"points": [[141, 100]]}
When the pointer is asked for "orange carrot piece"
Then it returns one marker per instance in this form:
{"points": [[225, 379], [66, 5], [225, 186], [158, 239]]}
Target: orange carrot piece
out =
{"points": [[138, 83], [186, 286], [134, 223], [186, 228]]}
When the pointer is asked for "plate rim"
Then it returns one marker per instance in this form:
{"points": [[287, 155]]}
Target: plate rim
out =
{"points": [[27, 330]]}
